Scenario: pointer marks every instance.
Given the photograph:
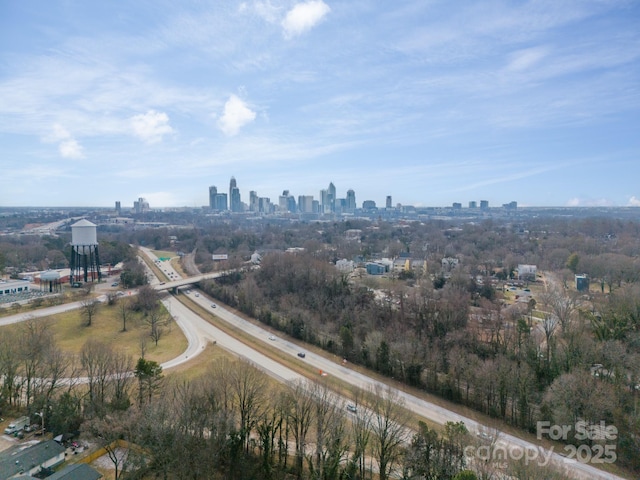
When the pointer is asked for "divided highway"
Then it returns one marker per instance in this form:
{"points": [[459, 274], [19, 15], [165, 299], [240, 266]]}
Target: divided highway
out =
{"points": [[199, 333]]}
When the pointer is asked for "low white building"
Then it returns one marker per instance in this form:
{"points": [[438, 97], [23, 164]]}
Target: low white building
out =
{"points": [[13, 287], [345, 265], [527, 272]]}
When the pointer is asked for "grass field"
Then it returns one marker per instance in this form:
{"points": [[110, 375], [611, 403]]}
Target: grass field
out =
{"points": [[71, 333]]}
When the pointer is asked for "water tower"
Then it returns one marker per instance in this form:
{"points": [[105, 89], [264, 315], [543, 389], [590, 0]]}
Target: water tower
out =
{"points": [[50, 280], [85, 262]]}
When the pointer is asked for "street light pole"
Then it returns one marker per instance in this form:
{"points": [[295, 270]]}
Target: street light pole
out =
{"points": [[41, 415]]}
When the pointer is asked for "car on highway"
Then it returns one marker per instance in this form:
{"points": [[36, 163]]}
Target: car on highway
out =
{"points": [[213, 305], [302, 354], [272, 338], [197, 294], [352, 408], [115, 284]]}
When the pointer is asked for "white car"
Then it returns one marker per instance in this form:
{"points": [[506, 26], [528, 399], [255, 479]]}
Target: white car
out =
{"points": [[272, 337]]}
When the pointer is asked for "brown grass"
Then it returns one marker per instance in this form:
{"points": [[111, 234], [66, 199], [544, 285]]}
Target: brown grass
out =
{"points": [[71, 333]]}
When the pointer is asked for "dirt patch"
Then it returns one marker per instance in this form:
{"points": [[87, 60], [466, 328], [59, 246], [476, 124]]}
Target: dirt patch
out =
{"points": [[5, 443], [105, 463]]}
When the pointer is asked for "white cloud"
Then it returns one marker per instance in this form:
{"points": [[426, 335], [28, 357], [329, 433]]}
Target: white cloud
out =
{"points": [[151, 126], [67, 145], [70, 149], [525, 59], [236, 115], [59, 133], [303, 17], [590, 202], [159, 199], [634, 202]]}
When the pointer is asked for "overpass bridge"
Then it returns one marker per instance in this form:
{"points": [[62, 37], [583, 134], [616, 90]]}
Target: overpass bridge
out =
{"points": [[183, 282]]}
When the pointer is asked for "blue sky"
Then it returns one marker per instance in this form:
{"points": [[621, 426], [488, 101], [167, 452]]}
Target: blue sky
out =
{"points": [[432, 102]]}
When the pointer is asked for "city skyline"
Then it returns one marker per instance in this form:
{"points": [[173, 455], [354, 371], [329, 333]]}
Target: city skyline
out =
{"points": [[430, 102]]}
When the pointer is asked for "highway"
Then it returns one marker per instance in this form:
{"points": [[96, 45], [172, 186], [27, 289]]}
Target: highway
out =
{"points": [[199, 333]]}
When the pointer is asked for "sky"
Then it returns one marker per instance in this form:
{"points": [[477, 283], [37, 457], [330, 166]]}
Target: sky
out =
{"points": [[431, 102]]}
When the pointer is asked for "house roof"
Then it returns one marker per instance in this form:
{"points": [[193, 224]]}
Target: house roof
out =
{"points": [[78, 471], [19, 459]]}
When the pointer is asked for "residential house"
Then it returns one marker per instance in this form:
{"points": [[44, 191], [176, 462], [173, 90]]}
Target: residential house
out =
{"points": [[20, 460]]}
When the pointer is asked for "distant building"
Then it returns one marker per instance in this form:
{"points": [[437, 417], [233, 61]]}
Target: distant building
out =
{"points": [[582, 283], [510, 206], [456, 206], [332, 197], [389, 203], [235, 201], [141, 206], [221, 203], [324, 200], [353, 234], [118, 209], [13, 287], [345, 265], [264, 205], [350, 201], [286, 202], [305, 203], [473, 204], [369, 205], [253, 201], [484, 204], [213, 193], [374, 268], [401, 264], [527, 272]]}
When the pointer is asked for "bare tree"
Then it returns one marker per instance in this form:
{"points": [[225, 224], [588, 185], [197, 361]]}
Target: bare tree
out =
{"points": [[248, 387], [35, 339], [331, 441], [96, 359], [157, 320], [89, 310], [124, 309], [563, 305], [9, 366], [120, 379], [389, 431], [143, 345], [57, 366], [360, 435], [549, 325], [300, 409]]}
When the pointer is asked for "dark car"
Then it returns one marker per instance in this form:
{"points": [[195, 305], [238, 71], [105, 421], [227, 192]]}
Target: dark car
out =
{"points": [[302, 354]]}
